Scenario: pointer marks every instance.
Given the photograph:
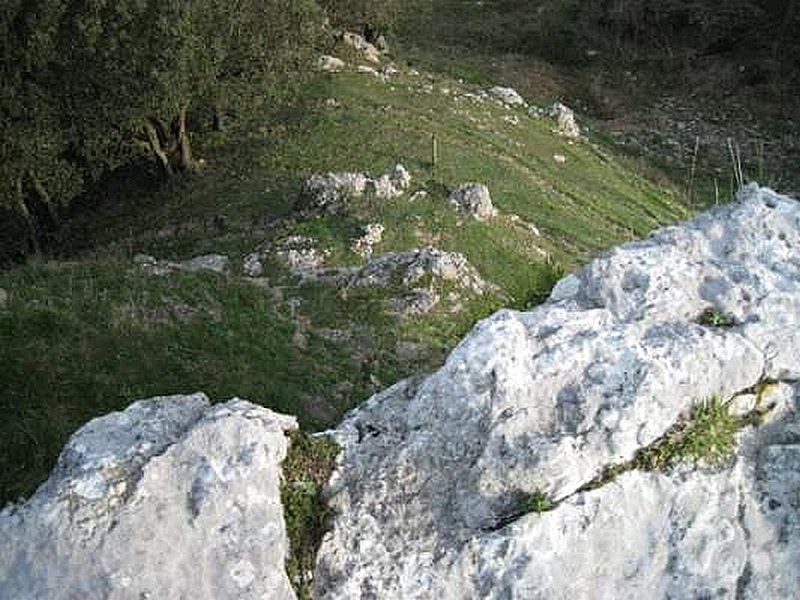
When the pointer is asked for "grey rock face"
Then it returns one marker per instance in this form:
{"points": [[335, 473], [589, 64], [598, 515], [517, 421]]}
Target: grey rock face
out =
{"points": [[3, 299], [171, 498], [434, 470], [474, 199]]}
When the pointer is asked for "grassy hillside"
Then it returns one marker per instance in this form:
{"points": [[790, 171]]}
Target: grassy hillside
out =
{"points": [[94, 331]]}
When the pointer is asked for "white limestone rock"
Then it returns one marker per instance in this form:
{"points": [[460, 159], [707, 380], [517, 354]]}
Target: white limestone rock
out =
{"points": [[408, 268], [507, 95], [330, 64], [567, 125], [474, 199], [435, 468], [213, 263], [171, 498], [329, 193], [358, 43], [371, 236]]}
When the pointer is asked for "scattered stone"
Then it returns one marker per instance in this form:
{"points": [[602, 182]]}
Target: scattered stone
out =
{"points": [[418, 301], [333, 103], [373, 235], [367, 70], [532, 407], [408, 268], [329, 193], [567, 126], [171, 498], [3, 299], [474, 199], [560, 159], [331, 64], [511, 120], [381, 44], [361, 45], [517, 220], [215, 263], [507, 95], [301, 255], [418, 195], [400, 177], [252, 265]]}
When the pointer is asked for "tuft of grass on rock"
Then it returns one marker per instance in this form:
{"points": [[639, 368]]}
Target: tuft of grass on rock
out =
{"points": [[537, 502], [712, 317], [306, 469], [708, 435]]}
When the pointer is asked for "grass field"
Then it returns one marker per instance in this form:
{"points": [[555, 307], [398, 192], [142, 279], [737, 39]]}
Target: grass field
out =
{"points": [[91, 332]]}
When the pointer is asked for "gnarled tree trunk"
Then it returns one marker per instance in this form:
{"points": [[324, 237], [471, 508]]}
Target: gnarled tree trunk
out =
{"points": [[182, 140], [151, 128]]}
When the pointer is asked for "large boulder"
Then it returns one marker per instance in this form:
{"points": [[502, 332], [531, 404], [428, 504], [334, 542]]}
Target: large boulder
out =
{"points": [[474, 199], [171, 498], [540, 404]]}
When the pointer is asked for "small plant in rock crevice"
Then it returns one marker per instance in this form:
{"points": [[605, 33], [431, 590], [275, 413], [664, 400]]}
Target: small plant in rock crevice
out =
{"points": [[307, 467], [537, 502], [708, 435], [711, 317]]}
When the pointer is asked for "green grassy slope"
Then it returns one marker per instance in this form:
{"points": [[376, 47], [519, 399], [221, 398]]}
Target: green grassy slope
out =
{"points": [[84, 337]]}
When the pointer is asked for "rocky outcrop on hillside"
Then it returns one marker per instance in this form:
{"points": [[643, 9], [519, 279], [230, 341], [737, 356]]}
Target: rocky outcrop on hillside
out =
{"points": [[512, 472], [328, 193], [434, 497], [171, 498]]}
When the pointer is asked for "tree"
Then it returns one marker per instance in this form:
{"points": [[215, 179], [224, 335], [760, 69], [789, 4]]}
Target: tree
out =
{"points": [[91, 85], [375, 16], [35, 176]]}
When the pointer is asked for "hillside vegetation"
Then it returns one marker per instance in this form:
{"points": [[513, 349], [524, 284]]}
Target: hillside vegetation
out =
{"points": [[90, 326]]}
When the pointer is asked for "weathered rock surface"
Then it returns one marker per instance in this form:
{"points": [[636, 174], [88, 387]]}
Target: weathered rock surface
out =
{"points": [[3, 299], [329, 193], [171, 498], [474, 199], [434, 470]]}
